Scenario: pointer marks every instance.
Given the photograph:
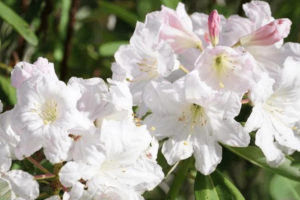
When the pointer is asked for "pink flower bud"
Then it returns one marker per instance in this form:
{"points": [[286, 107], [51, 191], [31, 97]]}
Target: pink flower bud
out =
{"points": [[214, 27], [268, 34]]}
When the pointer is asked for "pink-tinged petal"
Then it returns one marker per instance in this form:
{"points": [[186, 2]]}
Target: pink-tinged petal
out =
{"points": [[21, 72], [214, 26], [268, 34], [177, 29]]}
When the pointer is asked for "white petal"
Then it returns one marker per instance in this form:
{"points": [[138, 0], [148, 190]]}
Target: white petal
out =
{"points": [[23, 184], [6, 132], [71, 172], [162, 126], [265, 140], [55, 197], [88, 148], [164, 97], [207, 152], [255, 120], [93, 94], [5, 159], [263, 90], [178, 147], [230, 132], [123, 141], [143, 175], [258, 12], [77, 191], [57, 146]]}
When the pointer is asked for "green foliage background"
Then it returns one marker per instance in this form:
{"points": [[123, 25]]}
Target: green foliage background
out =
{"points": [[76, 37]]}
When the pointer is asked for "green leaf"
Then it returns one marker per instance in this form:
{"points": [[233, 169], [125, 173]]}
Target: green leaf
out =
{"points": [[215, 187], [7, 92], [120, 12], [18, 23], [284, 188], [109, 49], [255, 156], [180, 177], [170, 3]]}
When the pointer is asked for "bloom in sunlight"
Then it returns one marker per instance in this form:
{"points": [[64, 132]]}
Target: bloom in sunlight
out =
{"points": [[125, 168], [276, 112], [194, 118], [144, 59], [44, 115], [226, 69]]}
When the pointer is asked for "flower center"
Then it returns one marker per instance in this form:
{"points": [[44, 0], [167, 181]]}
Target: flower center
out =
{"points": [[48, 112], [196, 116], [223, 65], [148, 66]]}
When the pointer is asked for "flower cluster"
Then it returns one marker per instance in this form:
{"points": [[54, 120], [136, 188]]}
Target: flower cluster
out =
{"points": [[188, 75]]}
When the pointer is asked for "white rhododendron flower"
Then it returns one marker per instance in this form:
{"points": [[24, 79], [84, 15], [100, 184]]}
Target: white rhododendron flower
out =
{"points": [[44, 115], [194, 118], [227, 69], [15, 184], [144, 59], [276, 112], [186, 76], [124, 170]]}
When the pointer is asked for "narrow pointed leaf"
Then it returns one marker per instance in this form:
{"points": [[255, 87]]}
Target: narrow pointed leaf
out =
{"points": [[255, 156], [215, 187], [18, 23]]}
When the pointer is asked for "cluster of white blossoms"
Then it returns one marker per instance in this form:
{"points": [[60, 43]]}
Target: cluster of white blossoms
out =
{"points": [[188, 75]]}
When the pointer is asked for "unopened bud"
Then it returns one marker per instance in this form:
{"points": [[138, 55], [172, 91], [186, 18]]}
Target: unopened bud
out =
{"points": [[268, 34], [214, 27]]}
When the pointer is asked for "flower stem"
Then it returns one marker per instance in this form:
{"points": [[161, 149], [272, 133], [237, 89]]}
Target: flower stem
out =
{"points": [[183, 69], [179, 178], [38, 165], [44, 176]]}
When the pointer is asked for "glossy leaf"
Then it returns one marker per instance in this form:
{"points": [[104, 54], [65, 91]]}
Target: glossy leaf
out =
{"points": [[255, 156], [109, 49], [284, 188], [215, 187], [170, 3], [120, 12], [18, 23]]}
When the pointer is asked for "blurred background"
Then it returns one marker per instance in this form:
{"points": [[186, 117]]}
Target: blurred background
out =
{"points": [[80, 38]]}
